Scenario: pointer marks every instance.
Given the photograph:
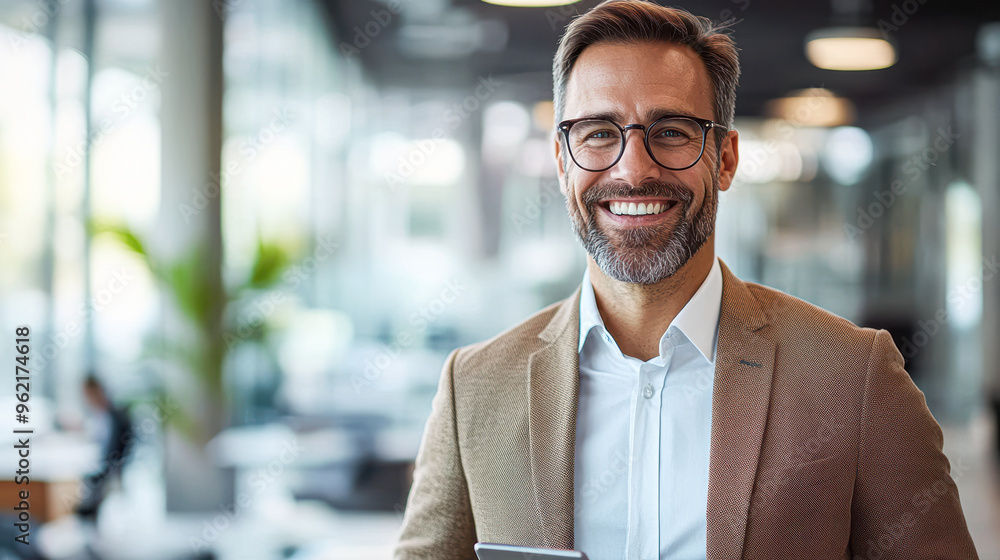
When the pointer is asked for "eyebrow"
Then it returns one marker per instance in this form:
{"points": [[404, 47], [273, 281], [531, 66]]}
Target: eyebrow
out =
{"points": [[649, 116]]}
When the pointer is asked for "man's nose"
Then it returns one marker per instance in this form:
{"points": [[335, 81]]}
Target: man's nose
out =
{"points": [[635, 166]]}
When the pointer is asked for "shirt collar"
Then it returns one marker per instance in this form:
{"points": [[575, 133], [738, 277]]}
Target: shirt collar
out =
{"points": [[590, 317], [698, 319]]}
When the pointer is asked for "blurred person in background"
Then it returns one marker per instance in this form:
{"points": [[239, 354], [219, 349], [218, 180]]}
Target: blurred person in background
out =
{"points": [[668, 409], [111, 427]]}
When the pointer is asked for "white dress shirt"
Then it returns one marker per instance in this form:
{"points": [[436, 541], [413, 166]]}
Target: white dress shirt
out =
{"points": [[643, 434]]}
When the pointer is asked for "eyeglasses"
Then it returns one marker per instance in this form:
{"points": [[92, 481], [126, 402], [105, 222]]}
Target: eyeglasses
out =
{"points": [[673, 142]]}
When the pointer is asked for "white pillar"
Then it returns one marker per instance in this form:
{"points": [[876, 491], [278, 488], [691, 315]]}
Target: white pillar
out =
{"points": [[190, 221]]}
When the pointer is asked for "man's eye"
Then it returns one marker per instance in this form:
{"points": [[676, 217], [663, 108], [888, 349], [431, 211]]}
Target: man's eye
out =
{"points": [[601, 135]]}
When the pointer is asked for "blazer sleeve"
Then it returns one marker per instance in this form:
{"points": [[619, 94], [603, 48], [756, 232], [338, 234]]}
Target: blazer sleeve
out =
{"points": [[906, 503], [438, 522]]}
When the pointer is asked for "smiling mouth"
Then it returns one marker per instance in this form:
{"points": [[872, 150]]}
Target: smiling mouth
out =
{"points": [[638, 208]]}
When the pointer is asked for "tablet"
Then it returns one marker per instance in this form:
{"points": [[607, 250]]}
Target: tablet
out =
{"points": [[491, 551]]}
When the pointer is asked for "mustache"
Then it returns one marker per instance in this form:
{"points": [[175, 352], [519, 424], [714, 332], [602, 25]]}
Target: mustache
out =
{"points": [[618, 189]]}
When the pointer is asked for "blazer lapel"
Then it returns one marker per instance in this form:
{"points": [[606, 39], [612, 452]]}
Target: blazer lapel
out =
{"points": [[740, 399], [553, 388]]}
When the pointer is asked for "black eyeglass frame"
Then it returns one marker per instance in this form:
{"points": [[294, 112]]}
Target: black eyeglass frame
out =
{"points": [[704, 124]]}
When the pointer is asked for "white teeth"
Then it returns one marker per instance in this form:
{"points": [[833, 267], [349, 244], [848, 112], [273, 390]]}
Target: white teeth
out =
{"points": [[633, 209]]}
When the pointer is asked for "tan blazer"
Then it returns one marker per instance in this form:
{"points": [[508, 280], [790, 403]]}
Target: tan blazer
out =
{"points": [[822, 447]]}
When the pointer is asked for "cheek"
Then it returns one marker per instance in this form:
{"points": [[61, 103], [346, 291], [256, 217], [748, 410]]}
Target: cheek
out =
{"points": [[580, 189], [704, 188], [579, 183], [574, 188]]}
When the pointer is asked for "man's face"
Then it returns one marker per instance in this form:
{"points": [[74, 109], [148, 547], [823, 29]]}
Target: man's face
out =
{"points": [[95, 397], [638, 83]]}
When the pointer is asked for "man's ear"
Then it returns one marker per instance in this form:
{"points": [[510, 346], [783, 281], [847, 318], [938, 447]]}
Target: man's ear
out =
{"points": [[729, 158], [560, 164]]}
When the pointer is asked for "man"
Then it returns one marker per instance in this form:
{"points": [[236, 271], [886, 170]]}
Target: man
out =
{"points": [[113, 429], [668, 409]]}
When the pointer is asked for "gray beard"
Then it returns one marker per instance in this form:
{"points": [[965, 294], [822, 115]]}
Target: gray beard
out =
{"points": [[646, 255]]}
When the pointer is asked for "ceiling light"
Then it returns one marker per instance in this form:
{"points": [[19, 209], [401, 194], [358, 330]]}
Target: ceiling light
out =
{"points": [[849, 48], [812, 107]]}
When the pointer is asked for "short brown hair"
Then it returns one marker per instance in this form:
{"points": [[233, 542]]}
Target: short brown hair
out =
{"points": [[637, 21]]}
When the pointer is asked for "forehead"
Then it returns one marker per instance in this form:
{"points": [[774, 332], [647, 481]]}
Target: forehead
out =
{"points": [[638, 79]]}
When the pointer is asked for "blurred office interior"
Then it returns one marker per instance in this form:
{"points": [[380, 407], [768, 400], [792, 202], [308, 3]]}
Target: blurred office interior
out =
{"points": [[263, 224]]}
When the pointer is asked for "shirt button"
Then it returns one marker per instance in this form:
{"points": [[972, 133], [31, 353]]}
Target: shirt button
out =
{"points": [[648, 391]]}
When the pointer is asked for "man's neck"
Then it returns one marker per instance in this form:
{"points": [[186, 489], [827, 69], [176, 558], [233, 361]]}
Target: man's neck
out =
{"points": [[637, 315]]}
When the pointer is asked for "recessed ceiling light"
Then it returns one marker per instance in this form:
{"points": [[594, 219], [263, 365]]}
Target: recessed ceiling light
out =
{"points": [[849, 48]]}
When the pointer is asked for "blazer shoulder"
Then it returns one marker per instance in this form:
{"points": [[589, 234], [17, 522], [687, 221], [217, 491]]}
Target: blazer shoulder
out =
{"points": [[798, 318], [513, 345]]}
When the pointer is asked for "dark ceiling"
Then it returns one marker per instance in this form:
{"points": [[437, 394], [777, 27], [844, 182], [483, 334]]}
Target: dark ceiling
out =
{"points": [[448, 43]]}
